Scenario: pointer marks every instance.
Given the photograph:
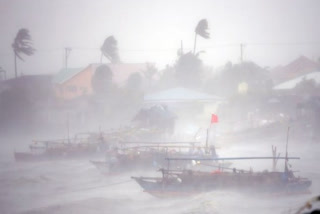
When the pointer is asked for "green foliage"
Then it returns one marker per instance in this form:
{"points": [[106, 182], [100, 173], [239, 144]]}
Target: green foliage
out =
{"points": [[16, 105], [202, 28], [149, 74], [134, 81], [150, 71], [102, 80], [110, 49], [227, 82], [188, 70], [307, 87], [167, 78], [23, 44]]}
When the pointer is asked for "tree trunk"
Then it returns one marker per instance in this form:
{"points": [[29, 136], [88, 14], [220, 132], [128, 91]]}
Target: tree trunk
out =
{"points": [[195, 43], [15, 65]]}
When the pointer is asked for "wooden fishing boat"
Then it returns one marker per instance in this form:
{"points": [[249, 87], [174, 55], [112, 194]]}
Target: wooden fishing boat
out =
{"points": [[88, 145], [151, 156], [189, 182]]}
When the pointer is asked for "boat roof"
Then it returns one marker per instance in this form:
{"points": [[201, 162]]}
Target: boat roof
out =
{"points": [[228, 158]]}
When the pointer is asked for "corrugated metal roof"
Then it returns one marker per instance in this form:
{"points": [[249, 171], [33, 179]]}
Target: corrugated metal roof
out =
{"points": [[293, 83], [65, 75], [121, 71], [180, 94]]}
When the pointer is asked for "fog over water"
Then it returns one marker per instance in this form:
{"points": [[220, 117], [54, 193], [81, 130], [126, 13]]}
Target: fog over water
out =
{"points": [[93, 93], [77, 186]]}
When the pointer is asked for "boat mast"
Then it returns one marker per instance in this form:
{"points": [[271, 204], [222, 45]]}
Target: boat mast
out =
{"points": [[207, 141], [275, 158], [286, 160], [68, 128]]}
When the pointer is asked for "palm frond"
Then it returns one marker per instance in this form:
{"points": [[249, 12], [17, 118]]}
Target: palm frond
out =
{"points": [[27, 50], [23, 43], [110, 49], [201, 29]]}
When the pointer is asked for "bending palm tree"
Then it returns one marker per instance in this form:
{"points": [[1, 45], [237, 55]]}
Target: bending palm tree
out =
{"points": [[22, 45], [201, 30], [110, 50]]}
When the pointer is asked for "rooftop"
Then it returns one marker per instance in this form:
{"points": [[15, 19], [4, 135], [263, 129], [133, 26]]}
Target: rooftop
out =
{"points": [[293, 83], [180, 94]]}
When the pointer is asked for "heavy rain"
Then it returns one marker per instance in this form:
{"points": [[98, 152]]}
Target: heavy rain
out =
{"points": [[182, 107]]}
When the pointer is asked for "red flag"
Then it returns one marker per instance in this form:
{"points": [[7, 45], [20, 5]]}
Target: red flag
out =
{"points": [[214, 118]]}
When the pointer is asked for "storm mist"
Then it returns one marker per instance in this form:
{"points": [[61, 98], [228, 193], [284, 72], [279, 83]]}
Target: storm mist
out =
{"points": [[159, 106]]}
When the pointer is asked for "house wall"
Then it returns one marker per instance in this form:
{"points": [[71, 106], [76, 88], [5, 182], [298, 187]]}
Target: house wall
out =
{"points": [[80, 84], [76, 86]]}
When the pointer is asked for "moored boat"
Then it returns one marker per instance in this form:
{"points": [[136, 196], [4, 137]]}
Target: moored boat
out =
{"points": [[89, 146], [186, 182], [151, 156]]}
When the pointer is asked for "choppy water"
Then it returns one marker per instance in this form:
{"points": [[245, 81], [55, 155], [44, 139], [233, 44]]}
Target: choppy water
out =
{"points": [[78, 187]]}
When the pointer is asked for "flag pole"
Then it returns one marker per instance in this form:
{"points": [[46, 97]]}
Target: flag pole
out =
{"points": [[214, 119], [207, 141]]}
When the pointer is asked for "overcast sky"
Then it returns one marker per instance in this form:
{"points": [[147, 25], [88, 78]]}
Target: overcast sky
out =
{"points": [[275, 31]]}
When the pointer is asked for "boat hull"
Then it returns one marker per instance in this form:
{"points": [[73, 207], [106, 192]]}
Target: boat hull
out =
{"points": [[26, 156], [186, 184]]}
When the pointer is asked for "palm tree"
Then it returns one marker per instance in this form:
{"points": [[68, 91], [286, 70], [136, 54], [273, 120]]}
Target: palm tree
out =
{"points": [[201, 30], [102, 79], [22, 45], [3, 74], [110, 50]]}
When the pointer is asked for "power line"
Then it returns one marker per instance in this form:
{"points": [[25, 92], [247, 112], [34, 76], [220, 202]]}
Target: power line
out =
{"points": [[176, 48], [211, 46], [284, 43]]}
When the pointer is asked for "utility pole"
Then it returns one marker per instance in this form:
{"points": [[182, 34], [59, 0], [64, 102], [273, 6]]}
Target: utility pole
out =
{"points": [[3, 74], [181, 49], [241, 52], [67, 53]]}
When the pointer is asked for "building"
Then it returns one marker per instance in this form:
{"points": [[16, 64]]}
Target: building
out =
{"points": [[291, 84], [76, 82], [298, 67]]}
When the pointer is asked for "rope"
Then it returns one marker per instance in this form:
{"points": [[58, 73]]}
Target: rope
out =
{"points": [[96, 187]]}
